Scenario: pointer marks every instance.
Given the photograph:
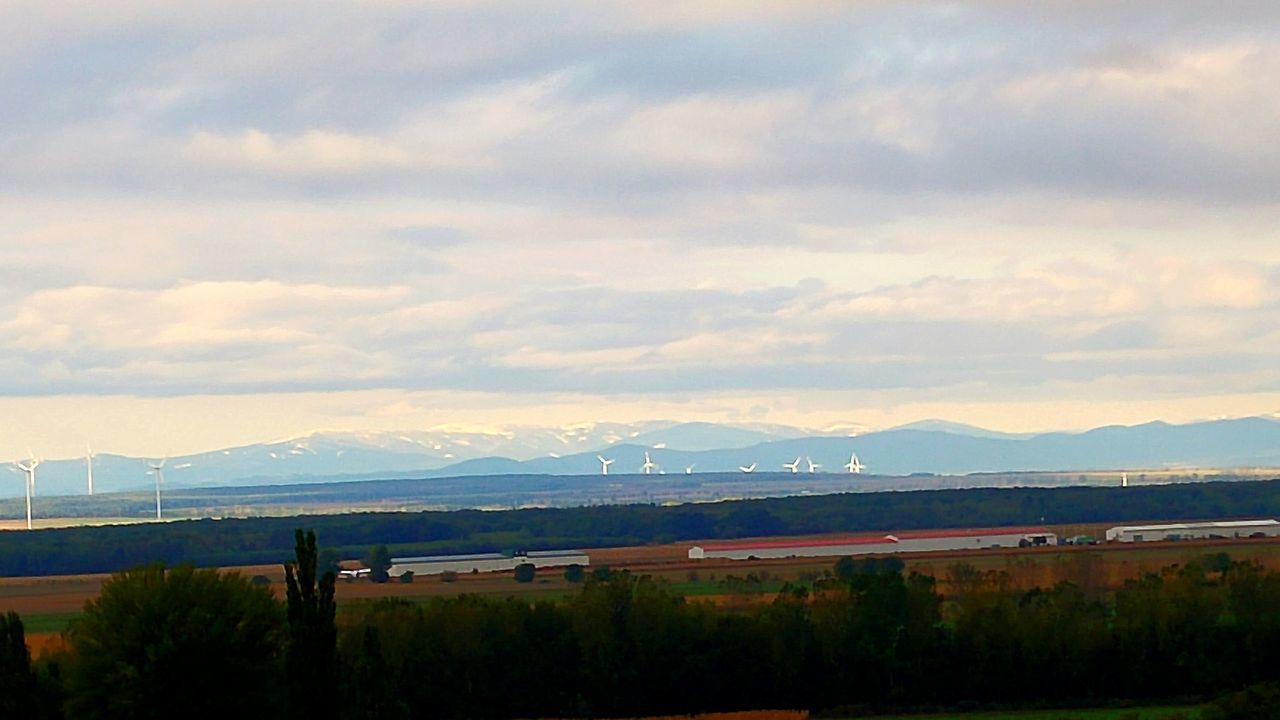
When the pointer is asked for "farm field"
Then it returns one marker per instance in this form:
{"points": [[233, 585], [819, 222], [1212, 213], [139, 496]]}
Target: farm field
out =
{"points": [[45, 523], [1132, 713], [48, 603]]}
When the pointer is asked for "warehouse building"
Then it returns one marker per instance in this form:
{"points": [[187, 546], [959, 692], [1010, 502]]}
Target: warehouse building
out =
{"points": [[904, 542], [765, 549], [1219, 530], [485, 562]]}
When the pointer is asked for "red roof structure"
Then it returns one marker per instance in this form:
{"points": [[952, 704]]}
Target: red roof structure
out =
{"points": [[969, 532], [817, 542], [877, 539]]}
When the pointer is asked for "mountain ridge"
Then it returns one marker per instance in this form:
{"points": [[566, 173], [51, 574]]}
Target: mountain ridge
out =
{"points": [[675, 447]]}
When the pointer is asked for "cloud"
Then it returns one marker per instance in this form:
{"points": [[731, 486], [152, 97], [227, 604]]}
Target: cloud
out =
{"points": [[639, 199]]}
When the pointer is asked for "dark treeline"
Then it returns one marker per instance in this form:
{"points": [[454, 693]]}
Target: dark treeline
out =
{"points": [[868, 638], [209, 543], [869, 641]]}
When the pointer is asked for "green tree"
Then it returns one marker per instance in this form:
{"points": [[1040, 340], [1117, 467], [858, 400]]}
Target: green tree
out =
{"points": [[158, 643], [372, 693], [525, 572], [327, 561], [310, 656], [379, 562], [574, 573], [16, 679]]}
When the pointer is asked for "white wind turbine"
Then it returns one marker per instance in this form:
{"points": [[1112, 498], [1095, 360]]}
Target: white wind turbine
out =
{"points": [[157, 469], [689, 469], [29, 469], [88, 466], [855, 465], [794, 466], [813, 466], [749, 468], [604, 464], [648, 466]]}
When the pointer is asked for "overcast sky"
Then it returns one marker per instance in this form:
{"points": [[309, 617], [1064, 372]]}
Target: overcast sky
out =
{"points": [[233, 221]]}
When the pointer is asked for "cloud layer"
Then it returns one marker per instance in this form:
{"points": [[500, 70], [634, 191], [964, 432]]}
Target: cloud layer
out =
{"points": [[910, 203]]}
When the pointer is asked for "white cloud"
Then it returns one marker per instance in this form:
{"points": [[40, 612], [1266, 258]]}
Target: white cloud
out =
{"points": [[312, 152], [642, 202]]}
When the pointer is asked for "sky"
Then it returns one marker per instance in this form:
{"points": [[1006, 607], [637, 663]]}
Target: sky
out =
{"points": [[229, 222]]}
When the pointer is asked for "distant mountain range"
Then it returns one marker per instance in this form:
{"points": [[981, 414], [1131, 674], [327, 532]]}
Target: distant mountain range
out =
{"points": [[928, 447]]}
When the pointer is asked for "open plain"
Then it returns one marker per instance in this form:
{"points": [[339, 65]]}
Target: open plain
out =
{"points": [[48, 603]]}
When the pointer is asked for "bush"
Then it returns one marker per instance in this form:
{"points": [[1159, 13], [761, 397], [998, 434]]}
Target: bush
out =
{"points": [[574, 573], [180, 638], [525, 572], [406, 576], [1256, 702], [449, 576]]}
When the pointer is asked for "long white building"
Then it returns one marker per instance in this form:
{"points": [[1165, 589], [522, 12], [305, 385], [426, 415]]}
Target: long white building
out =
{"points": [[903, 542], [486, 562], [1221, 529]]}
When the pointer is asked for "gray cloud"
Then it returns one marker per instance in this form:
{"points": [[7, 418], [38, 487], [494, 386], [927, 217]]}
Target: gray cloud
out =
{"points": [[607, 199]]}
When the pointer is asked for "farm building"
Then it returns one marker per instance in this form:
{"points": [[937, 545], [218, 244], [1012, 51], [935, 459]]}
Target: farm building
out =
{"points": [[1195, 531], [765, 549], [915, 541], [973, 539], [485, 562], [556, 558]]}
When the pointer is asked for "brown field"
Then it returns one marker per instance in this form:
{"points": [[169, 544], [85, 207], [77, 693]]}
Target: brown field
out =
{"points": [[1097, 567], [743, 715]]}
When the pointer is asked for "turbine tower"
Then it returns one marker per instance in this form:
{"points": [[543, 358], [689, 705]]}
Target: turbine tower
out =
{"points": [[689, 469], [88, 466], [604, 464], [855, 465], [813, 466], [1124, 479], [648, 466], [794, 466], [157, 468], [29, 469], [749, 468]]}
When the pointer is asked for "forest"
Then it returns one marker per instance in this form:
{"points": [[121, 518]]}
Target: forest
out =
{"points": [[247, 541], [865, 638]]}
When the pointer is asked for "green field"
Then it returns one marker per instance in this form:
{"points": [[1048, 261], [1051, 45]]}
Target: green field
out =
{"points": [[1191, 712], [48, 622]]}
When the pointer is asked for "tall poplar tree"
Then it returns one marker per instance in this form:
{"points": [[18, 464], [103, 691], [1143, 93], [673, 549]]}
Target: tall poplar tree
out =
{"points": [[311, 657]]}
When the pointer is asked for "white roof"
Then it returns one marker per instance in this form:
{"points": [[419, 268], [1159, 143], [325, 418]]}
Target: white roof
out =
{"points": [[1223, 524], [448, 558]]}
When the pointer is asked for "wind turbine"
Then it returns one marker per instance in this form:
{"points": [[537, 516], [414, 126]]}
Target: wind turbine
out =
{"points": [[88, 466], [1124, 479], [813, 466], [157, 468], [689, 469], [604, 464], [648, 466], [855, 465], [29, 468], [749, 468], [794, 467]]}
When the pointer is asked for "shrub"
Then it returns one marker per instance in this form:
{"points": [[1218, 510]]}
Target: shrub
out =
{"points": [[175, 638], [525, 572]]}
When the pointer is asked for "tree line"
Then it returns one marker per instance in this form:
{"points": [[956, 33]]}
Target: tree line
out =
{"points": [[866, 638], [214, 543]]}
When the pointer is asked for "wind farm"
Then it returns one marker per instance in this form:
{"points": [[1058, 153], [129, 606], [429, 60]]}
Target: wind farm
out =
{"points": [[296, 474]]}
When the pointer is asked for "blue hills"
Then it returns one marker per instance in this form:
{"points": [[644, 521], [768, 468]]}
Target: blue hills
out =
{"points": [[933, 447]]}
